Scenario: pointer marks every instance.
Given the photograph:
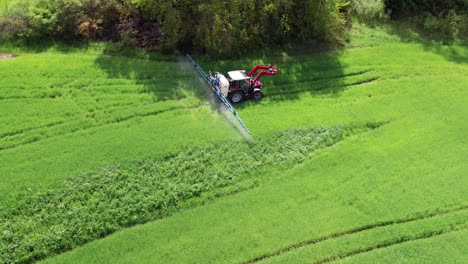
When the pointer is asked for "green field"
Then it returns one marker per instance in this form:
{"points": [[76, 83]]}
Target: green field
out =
{"points": [[358, 155], [4, 5]]}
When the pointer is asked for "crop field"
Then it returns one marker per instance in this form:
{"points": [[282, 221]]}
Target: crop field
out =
{"points": [[4, 5], [357, 155]]}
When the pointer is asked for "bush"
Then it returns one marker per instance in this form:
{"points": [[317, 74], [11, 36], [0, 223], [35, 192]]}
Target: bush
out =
{"points": [[61, 19], [133, 33], [368, 10], [222, 27], [401, 8], [446, 26], [15, 23], [463, 25], [441, 19]]}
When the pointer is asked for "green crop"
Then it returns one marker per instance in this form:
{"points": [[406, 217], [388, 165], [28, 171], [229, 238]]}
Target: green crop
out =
{"points": [[87, 109], [357, 154], [95, 204], [401, 185], [4, 5], [440, 248]]}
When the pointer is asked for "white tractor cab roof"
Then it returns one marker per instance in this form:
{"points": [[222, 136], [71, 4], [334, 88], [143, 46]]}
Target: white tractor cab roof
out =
{"points": [[238, 75]]}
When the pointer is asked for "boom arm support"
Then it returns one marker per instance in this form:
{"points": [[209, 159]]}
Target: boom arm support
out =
{"points": [[266, 70]]}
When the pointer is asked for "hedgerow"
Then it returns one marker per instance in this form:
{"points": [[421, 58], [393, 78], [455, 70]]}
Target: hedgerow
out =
{"points": [[216, 27], [95, 204], [445, 19], [368, 10]]}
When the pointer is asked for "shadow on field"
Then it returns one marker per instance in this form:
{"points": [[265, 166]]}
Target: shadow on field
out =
{"points": [[452, 50], [34, 46], [159, 75], [303, 70]]}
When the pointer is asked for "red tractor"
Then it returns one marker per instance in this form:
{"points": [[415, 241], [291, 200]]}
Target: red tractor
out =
{"points": [[240, 86]]}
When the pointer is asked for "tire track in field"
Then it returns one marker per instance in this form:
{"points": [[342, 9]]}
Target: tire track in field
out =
{"points": [[116, 121], [315, 79], [354, 231], [389, 244], [324, 89], [77, 90], [157, 112], [25, 130], [61, 122], [65, 93]]}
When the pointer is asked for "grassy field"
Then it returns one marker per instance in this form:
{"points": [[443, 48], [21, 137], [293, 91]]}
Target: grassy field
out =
{"points": [[4, 5], [358, 155], [55, 97]]}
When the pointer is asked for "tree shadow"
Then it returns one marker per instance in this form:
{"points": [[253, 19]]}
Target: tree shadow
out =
{"points": [[164, 76], [33, 46], [454, 50], [304, 70]]}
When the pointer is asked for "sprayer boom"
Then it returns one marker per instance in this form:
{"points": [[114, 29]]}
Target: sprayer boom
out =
{"points": [[220, 87]]}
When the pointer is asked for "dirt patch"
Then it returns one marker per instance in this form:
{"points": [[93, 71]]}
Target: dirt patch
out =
{"points": [[4, 56]]}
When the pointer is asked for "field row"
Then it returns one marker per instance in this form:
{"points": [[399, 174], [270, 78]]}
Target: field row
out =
{"points": [[63, 94], [88, 101], [96, 118], [98, 203], [119, 141], [345, 201], [372, 237]]}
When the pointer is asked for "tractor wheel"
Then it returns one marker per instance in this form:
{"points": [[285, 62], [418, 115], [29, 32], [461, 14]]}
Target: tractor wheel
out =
{"points": [[236, 96], [257, 95]]}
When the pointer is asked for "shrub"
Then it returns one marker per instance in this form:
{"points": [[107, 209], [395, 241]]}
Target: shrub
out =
{"points": [[62, 19], [58, 18], [222, 27], [133, 33], [463, 25], [446, 26], [400, 8], [368, 10], [15, 23], [88, 29]]}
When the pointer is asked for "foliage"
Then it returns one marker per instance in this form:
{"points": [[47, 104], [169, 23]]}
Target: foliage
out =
{"points": [[16, 23], [368, 10], [222, 28], [63, 19], [447, 26], [443, 19], [417, 7], [233, 27]]}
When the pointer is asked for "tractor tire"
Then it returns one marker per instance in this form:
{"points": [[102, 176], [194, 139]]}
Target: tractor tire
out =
{"points": [[257, 95], [236, 97]]}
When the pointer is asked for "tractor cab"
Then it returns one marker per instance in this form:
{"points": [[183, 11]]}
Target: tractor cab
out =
{"points": [[238, 80], [241, 86]]}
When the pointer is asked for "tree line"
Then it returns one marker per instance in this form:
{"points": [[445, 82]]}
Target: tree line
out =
{"points": [[213, 26]]}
